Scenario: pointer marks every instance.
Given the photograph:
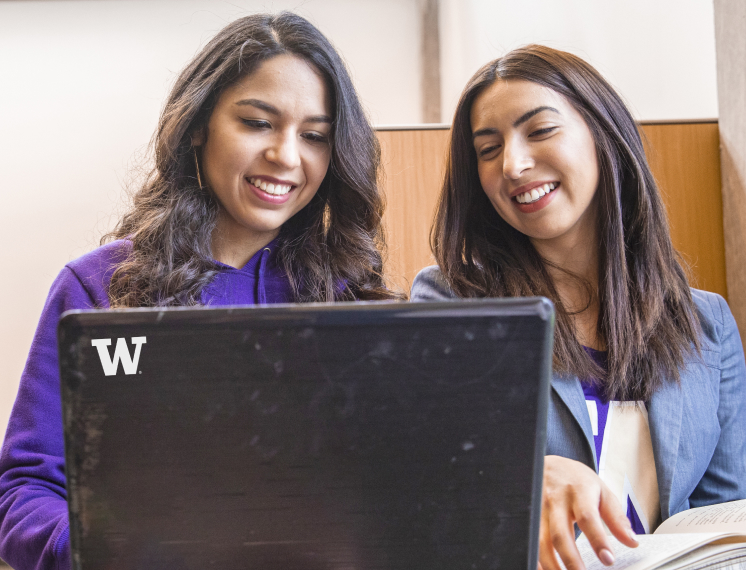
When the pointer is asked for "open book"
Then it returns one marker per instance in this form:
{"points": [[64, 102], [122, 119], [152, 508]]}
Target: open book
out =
{"points": [[707, 538]]}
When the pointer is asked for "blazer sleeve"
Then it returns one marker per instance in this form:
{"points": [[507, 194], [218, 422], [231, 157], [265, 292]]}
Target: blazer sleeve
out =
{"points": [[34, 529], [430, 285], [725, 478]]}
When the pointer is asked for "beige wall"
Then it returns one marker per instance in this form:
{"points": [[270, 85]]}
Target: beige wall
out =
{"points": [[730, 21], [81, 87], [660, 54]]}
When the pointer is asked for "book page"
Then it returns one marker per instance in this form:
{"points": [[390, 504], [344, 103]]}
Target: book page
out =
{"points": [[652, 552], [721, 556], [725, 517]]}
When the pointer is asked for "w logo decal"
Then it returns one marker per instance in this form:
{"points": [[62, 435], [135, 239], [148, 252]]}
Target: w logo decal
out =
{"points": [[121, 354]]}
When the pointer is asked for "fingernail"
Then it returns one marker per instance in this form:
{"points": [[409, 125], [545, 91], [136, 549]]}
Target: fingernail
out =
{"points": [[606, 557], [631, 533]]}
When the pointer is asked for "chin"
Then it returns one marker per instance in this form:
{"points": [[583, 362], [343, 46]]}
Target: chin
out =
{"points": [[541, 234]]}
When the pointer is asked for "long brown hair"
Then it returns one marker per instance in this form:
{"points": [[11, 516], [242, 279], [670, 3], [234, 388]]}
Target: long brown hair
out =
{"points": [[331, 250], [647, 318]]}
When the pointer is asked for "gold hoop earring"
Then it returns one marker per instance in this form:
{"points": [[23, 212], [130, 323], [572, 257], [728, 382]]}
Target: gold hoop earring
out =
{"points": [[196, 165]]}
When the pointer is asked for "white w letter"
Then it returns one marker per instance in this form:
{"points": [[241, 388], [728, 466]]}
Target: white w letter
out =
{"points": [[121, 353]]}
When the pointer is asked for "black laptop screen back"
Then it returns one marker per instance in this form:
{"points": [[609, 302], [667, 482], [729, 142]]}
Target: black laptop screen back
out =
{"points": [[363, 437]]}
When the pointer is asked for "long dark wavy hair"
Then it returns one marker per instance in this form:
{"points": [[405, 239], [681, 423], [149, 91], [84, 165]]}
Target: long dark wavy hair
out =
{"points": [[331, 250], [647, 318]]}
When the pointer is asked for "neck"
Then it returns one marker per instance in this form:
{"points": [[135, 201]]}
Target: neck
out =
{"points": [[572, 263], [575, 253], [235, 245]]}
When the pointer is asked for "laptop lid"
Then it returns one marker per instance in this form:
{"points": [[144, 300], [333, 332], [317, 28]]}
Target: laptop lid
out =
{"points": [[345, 436]]}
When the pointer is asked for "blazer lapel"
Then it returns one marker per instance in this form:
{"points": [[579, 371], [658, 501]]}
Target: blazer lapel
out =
{"points": [[569, 390], [664, 418]]}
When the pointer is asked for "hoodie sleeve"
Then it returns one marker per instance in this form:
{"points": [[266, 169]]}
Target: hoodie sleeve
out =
{"points": [[34, 528]]}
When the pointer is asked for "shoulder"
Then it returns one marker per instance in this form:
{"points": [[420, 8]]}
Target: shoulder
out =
{"points": [[714, 315], [92, 271], [101, 259], [431, 285]]}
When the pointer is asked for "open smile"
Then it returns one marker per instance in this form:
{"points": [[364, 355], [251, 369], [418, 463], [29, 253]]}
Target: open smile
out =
{"points": [[534, 199], [535, 193], [271, 191], [276, 189]]}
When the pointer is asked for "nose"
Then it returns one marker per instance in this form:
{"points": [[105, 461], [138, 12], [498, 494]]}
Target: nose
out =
{"points": [[283, 150], [517, 159]]}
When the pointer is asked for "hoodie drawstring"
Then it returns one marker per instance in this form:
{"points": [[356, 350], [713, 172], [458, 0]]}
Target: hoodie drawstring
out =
{"points": [[260, 286]]}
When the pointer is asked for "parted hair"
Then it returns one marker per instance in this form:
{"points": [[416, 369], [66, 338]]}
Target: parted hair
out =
{"points": [[647, 317], [331, 250]]}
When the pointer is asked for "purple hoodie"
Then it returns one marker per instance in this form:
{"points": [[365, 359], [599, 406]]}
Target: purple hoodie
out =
{"points": [[34, 529]]}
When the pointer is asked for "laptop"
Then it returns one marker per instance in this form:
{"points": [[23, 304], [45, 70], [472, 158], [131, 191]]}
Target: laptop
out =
{"points": [[353, 436]]}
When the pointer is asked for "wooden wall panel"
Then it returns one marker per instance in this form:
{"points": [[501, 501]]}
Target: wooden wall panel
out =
{"points": [[413, 161], [684, 159]]}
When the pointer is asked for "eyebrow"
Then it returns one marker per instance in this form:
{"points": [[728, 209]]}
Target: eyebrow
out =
{"points": [[522, 119], [272, 110]]}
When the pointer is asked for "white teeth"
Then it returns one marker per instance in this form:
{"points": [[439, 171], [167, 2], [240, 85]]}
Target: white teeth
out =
{"points": [[270, 188], [536, 193]]}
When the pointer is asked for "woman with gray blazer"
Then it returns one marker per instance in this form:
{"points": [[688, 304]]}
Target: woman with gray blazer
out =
{"points": [[548, 192]]}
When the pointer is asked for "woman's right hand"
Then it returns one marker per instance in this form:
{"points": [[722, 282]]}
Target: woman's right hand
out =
{"points": [[574, 494]]}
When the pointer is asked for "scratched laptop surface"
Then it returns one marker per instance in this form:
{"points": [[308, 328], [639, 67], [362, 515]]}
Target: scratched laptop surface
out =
{"points": [[350, 436]]}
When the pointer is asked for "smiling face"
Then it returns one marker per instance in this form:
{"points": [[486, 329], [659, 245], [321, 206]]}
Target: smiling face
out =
{"points": [[265, 152], [537, 161]]}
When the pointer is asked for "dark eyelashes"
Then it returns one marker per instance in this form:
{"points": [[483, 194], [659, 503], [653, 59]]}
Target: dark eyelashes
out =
{"points": [[256, 123], [316, 138], [541, 132], [488, 150], [534, 134], [260, 124]]}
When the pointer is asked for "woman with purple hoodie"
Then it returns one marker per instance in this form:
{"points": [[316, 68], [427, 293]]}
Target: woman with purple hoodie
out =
{"points": [[264, 190]]}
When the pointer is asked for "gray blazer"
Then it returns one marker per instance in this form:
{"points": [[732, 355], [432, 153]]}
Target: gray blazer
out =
{"points": [[698, 428]]}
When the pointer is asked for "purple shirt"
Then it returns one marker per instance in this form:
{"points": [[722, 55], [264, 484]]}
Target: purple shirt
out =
{"points": [[593, 393], [34, 528]]}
